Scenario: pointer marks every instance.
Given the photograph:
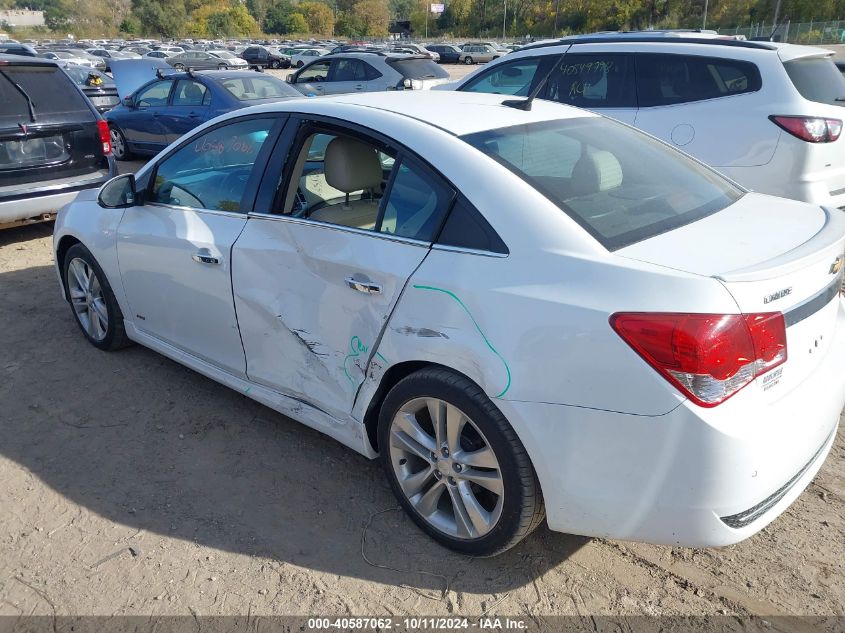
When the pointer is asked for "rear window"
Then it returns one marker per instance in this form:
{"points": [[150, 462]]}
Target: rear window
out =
{"points": [[54, 96], [247, 89], [620, 185], [419, 69], [817, 79]]}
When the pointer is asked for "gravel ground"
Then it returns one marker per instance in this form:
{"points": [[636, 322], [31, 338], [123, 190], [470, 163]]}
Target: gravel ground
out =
{"points": [[134, 486]]}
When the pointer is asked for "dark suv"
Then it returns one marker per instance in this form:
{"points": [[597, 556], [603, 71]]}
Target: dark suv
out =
{"points": [[265, 57], [53, 143]]}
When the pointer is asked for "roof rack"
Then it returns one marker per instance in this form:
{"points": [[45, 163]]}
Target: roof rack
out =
{"points": [[714, 41]]}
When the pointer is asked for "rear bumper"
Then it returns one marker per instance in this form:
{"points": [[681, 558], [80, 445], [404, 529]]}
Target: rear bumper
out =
{"points": [[692, 477], [44, 199]]}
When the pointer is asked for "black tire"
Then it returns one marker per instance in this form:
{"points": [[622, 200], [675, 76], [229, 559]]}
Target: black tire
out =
{"points": [[468, 61], [117, 152], [522, 504], [179, 67], [286, 64], [300, 64], [222, 67], [275, 64], [115, 337]]}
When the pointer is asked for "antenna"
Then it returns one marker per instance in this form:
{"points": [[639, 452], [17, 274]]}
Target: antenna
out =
{"points": [[525, 104]]}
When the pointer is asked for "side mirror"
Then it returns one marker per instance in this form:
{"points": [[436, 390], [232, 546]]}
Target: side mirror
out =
{"points": [[290, 79], [118, 193], [129, 101]]}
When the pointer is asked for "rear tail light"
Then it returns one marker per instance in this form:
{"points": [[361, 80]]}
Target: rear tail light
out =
{"points": [[105, 137], [412, 84], [810, 129], [708, 357]]}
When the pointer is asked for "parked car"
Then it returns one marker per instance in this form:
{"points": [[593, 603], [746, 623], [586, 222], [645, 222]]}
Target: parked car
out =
{"points": [[162, 110], [14, 48], [306, 56], [98, 87], [67, 56], [206, 60], [53, 143], [108, 55], [264, 57], [768, 115], [512, 309], [479, 54], [448, 54], [417, 49], [367, 72], [159, 54]]}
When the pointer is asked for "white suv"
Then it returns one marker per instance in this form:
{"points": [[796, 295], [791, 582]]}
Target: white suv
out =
{"points": [[768, 115]]}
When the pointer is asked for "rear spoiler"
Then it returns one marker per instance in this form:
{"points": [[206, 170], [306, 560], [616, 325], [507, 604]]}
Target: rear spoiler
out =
{"points": [[793, 51], [829, 235]]}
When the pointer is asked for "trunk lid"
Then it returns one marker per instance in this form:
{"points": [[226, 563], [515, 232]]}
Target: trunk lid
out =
{"points": [[779, 256], [48, 130]]}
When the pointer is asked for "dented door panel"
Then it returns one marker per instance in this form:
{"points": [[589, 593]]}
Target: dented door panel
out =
{"points": [[306, 332]]}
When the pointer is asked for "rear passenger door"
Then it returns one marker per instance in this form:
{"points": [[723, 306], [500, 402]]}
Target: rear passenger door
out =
{"points": [[324, 258], [597, 81], [189, 106], [346, 75], [706, 106]]}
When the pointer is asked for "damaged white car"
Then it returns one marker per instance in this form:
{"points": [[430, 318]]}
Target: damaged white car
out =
{"points": [[522, 313]]}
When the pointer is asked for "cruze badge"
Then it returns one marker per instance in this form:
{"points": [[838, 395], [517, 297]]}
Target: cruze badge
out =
{"points": [[780, 294], [836, 266]]}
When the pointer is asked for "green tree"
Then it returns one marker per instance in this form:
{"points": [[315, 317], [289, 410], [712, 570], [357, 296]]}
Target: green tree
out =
{"points": [[130, 26], [373, 15], [166, 18], [319, 16]]}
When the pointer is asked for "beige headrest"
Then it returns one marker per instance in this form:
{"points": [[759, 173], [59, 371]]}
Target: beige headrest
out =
{"points": [[596, 171], [351, 165]]}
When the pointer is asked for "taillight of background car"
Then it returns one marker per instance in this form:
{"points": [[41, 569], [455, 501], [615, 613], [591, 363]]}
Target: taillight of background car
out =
{"points": [[810, 129], [708, 357], [105, 138]]}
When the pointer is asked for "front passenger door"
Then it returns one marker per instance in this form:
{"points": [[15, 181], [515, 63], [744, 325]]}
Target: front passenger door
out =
{"points": [[312, 80], [145, 127]]}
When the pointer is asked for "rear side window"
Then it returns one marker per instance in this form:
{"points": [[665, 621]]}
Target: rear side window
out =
{"points": [[53, 95], [513, 78], [593, 81], [419, 69], [620, 185], [670, 79], [466, 228], [817, 79]]}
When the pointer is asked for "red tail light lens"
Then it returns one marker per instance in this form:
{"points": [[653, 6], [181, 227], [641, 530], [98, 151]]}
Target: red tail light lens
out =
{"points": [[105, 137], [708, 357], [810, 129]]}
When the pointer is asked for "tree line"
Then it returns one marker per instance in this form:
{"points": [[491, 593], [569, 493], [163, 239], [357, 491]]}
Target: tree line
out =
{"points": [[372, 18]]}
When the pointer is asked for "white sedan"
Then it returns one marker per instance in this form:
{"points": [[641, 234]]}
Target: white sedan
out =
{"points": [[518, 312], [306, 56]]}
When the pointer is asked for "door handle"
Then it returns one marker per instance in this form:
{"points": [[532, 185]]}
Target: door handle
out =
{"points": [[205, 257], [194, 115], [359, 87], [367, 287]]}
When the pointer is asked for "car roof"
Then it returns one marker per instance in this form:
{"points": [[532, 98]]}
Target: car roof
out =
{"points": [[457, 113], [26, 59]]}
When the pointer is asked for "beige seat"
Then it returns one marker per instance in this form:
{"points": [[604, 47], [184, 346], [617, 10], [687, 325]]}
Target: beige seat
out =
{"points": [[351, 166], [595, 171]]}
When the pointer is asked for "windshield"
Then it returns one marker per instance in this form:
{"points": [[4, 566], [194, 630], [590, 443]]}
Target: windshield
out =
{"points": [[619, 184], [817, 79]]}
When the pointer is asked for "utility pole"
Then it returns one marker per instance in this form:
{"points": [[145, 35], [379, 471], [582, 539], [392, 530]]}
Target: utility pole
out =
{"points": [[704, 24], [557, 6], [505, 20], [777, 12]]}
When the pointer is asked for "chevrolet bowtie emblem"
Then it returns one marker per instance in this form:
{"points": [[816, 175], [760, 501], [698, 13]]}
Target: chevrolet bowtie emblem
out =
{"points": [[836, 266]]}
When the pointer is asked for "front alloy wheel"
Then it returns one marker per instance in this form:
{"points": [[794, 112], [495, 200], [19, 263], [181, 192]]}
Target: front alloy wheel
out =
{"points": [[456, 465], [91, 298]]}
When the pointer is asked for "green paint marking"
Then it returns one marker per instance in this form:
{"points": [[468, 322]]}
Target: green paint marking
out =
{"points": [[248, 389], [386, 362], [356, 348], [475, 323]]}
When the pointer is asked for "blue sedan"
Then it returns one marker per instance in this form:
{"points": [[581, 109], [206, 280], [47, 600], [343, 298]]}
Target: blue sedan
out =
{"points": [[162, 110]]}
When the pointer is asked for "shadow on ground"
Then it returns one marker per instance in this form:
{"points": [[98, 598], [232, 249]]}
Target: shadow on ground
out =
{"points": [[150, 444]]}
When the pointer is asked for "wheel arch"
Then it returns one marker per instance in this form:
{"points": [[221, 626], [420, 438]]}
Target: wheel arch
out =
{"points": [[390, 379], [64, 245]]}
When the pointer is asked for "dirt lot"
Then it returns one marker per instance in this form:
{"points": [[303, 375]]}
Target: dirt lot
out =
{"points": [[133, 486]]}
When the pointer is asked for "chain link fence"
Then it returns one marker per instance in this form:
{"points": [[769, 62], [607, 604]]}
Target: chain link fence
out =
{"points": [[794, 32]]}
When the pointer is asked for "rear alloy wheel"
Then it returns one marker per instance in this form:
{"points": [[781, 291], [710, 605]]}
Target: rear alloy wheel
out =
{"points": [[179, 67], [275, 64], [456, 465], [222, 67], [92, 300], [468, 61], [118, 144]]}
